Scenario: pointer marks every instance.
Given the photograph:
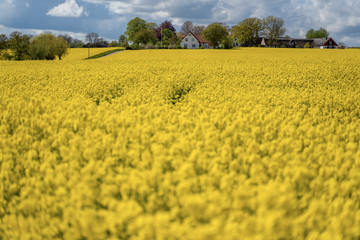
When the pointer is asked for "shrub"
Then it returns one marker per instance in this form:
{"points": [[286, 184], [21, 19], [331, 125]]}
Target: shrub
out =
{"points": [[43, 47], [178, 46], [149, 46], [5, 55], [47, 46], [134, 46], [227, 43], [19, 43], [124, 44], [307, 45]]}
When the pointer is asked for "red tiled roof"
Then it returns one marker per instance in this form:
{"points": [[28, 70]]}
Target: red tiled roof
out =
{"points": [[201, 39]]}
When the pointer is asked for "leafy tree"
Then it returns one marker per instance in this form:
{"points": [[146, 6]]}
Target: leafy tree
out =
{"points": [[167, 33], [61, 48], [43, 46], [321, 33], [248, 30], [152, 26], [92, 38], [215, 33], [307, 45], [3, 46], [48, 46], [134, 27], [122, 39], [3, 42], [77, 43], [165, 25], [20, 44], [113, 44], [228, 42], [145, 36], [287, 36], [273, 28]]}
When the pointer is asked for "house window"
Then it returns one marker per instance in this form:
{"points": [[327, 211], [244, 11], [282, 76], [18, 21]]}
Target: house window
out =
{"points": [[192, 39], [185, 45], [206, 45], [193, 45], [186, 39], [330, 43]]}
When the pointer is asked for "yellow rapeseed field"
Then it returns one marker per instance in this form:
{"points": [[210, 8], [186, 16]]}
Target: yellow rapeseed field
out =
{"points": [[182, 144]]}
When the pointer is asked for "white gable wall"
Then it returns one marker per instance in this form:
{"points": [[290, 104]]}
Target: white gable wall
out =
{"points": [[190, 42]]}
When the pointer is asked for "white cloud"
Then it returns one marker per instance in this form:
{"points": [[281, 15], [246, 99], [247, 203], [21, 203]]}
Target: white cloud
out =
{"points": [[69, 8], [340, 18], [299, 15]]}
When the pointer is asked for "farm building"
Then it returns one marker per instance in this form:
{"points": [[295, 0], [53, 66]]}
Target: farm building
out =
{"points": [[300, 42], [324, 43], [193, 41]]}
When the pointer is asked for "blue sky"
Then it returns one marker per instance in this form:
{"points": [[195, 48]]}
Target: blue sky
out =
{"points": [[109, 17]]}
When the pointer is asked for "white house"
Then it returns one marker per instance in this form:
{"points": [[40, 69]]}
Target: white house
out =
{"points": [[192, 41]]}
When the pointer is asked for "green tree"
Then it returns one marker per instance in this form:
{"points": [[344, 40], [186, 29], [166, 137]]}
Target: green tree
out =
{"points": [[61, 47], [43, 46], [152, 26], [20, 44], [167, 33], [310, 33], [113, 44], [122, 39], [307, 45], [134, 27], [273, 28], [4, 54], [145, 36], [321, 33], [48, 46], [228, 42], [3, 42], [215, 33], [248, 30]]}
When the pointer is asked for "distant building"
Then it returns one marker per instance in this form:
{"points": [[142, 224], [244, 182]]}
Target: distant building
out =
{"points": [[300, 42], [192, 41], [324, 43]]}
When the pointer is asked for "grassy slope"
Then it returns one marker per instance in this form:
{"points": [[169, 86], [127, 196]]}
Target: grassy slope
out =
{"points": [[103, 54]]}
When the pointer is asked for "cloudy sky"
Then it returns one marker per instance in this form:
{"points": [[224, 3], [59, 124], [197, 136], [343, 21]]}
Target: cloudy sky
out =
{"points": [[109, 17]]}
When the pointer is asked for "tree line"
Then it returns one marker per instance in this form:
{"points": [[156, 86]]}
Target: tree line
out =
{"points": [[143, 34], [45, 46], [20, 46], [272, 28]]}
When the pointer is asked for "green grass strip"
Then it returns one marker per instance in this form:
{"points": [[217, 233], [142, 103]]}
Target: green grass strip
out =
{"points": [[103, 54]]}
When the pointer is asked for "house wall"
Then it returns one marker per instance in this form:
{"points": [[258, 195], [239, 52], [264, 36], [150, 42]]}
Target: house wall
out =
{"points": [[330, 47], [190, 42]]}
